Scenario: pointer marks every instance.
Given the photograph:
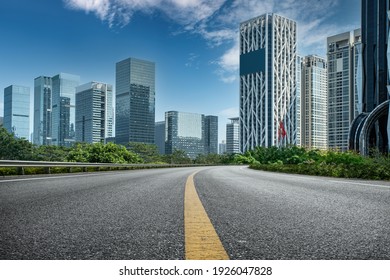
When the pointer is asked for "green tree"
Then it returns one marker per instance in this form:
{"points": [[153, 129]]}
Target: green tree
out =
{"points": [[12, 148], [227, 158], [209, 159], [112, 153], [102, 153], [51, 153], [79, 153], [148, 152], [178, 157]]}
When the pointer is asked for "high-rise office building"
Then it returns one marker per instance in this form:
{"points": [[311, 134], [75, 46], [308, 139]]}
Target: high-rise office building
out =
{"points": [[1, 120], [94, 112], [17, 111], [371, 129], [233, 136], [42, 110], [211, 134], [222, 148], [184, 131], [188, 132], [298, 98], [268, 89], [314, 103], [63, 109], [135, 101], [159, 135], [343, 70]]}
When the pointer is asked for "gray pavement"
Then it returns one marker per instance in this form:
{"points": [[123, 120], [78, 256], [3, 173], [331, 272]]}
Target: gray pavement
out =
{"points": [[109, 215], [139, 215], [263, 215]]}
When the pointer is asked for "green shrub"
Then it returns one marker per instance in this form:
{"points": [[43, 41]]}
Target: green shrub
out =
{"points": [[8, 171], [320, 163]]}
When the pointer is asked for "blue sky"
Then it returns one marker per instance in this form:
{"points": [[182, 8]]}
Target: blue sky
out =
{"points": [[193, 42]]}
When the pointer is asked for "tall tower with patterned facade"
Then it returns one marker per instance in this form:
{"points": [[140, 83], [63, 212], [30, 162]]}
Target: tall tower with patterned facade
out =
{"points": [[268, 82]]}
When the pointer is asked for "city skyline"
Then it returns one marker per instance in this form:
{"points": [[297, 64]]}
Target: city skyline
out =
{"points": [[195, 52]]}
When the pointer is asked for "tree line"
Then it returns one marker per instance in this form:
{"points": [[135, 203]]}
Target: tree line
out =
{"points": [[290, 159], [12, 148]]}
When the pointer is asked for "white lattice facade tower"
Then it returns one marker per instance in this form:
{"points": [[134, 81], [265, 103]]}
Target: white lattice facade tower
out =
{"points": [[268, 107]]}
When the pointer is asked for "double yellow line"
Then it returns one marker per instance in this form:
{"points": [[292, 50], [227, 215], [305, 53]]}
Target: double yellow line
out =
{"points": [[201, 240]]}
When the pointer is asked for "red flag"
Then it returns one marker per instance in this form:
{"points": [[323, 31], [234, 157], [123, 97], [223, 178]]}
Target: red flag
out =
{"points": [[282, 130]]}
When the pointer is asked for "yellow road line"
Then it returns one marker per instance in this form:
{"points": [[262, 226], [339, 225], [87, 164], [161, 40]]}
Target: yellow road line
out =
{"points": [[201, 240]]}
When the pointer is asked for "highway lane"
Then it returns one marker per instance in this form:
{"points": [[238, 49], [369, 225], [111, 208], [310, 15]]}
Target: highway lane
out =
{"points": [[139, 215], [263, 215], [107, 215]]}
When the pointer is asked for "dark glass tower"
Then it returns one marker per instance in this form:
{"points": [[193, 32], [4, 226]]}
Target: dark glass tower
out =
{"points": [[42, 110], [135, 101], [374, 38], [63, 109], [211, 134], [159, 130], [17, 111], [370, 129]]}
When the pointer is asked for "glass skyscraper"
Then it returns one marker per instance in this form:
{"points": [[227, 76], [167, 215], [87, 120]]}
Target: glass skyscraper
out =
{"points": [[63, 109], [211, 137], [371, 129], [268, 82], [94, 112], [343, 91], [188, 132], [160, 136], [42, 110], [135, 101], [314, 103], [17, 111]]}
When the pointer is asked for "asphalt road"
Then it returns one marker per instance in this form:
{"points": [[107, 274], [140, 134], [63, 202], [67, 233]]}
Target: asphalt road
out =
{"points": [[263, 215], [139, 215]]}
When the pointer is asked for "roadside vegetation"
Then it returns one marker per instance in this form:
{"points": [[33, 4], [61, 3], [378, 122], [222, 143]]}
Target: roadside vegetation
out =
{"points": [[289, 159], [320, 163], [12, 148]]}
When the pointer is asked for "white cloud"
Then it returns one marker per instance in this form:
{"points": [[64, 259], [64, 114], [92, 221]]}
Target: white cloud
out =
{"points": [[190, 12], [241, 10], [229, 112], [217, 21], [185, 12], [229, 63], [99, 7], [312, 18], [217, 37], [192, 61]]}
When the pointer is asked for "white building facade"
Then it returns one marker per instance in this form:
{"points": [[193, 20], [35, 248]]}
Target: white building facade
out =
{"points": [[314, 103], [268, 82], [94, 112], [344, 86], [233, 136]]}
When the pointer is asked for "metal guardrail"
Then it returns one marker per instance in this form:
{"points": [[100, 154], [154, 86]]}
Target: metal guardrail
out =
{"points": [[21, 164]]}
